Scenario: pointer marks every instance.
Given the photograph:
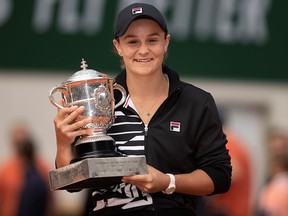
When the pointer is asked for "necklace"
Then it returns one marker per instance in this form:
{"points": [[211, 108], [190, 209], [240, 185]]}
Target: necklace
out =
{"points": [[148, 111]]}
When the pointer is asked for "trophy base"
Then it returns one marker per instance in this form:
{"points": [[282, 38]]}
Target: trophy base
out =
{"points": [[95, 149], [96, 173]]}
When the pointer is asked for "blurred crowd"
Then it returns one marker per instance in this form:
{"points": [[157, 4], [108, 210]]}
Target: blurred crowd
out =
{"points": [[24, 186], [272, 198]]}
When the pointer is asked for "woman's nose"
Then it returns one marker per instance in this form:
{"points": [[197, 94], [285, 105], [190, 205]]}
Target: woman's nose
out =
{"points": [[143, 49]]}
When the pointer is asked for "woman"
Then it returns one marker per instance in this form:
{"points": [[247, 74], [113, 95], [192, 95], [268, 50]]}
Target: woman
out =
{"points": [[173, 123]]}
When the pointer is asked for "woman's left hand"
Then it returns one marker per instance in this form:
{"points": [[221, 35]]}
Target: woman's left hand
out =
{"points": [[154, 181]]}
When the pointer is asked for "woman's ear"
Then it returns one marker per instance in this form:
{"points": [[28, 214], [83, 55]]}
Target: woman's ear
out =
{"points": [[117, 47], [167, 41]]}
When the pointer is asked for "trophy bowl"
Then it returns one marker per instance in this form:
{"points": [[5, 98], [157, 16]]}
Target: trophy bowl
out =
{"points": [[94, 91]]}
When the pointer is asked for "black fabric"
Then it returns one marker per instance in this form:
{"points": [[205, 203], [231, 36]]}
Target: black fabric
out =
{"points": [[164, 212], [127, 16], [34, 195]]}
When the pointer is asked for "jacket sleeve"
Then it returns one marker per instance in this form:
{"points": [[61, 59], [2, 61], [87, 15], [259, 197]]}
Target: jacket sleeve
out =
{"points": [[212, 155]]}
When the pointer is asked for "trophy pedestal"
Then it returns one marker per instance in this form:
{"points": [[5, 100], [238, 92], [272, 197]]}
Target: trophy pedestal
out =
{"points": [[96, 172]]}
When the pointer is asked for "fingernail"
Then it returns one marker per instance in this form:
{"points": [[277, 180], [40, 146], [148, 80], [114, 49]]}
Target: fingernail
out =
{"points": [[81, 108]]}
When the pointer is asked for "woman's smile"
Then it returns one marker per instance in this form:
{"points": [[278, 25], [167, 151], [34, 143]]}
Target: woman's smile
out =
{"points": [[147, 60]]}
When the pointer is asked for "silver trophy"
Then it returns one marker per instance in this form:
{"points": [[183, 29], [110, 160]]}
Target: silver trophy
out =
{"points": [[96, 162]]}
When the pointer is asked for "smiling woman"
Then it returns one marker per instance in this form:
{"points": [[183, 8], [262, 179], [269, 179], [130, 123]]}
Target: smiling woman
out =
{"points": [[174, 124], [143, 46]]}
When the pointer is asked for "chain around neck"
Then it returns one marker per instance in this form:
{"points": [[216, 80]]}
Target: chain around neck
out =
{"points": [[148, 111]]}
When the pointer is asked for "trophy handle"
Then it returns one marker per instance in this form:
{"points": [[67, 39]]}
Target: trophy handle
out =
{"points": [[123, 91], [61, 89]]}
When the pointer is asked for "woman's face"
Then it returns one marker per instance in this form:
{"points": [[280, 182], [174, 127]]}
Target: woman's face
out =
{"points": [[143, 47]]}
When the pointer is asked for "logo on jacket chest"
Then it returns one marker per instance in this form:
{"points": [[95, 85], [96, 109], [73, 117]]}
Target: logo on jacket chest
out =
{"points": [[175, 126]]}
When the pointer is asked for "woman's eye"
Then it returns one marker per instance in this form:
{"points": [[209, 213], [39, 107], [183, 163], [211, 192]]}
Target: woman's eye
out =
{"points": [[132, 42], [153, 41]]}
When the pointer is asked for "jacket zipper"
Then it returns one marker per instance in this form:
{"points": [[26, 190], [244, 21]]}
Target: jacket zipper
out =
{"points": [[146, 130]]}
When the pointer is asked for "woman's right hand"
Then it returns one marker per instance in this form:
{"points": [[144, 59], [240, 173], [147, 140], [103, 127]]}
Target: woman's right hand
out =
{"points": [[67, 130]]}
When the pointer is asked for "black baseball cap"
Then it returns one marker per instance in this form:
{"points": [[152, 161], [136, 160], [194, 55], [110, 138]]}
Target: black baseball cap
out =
{"points": [[137, 11]]}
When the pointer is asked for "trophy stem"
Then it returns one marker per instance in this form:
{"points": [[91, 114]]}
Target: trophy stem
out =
{"points": [[95, 147]]}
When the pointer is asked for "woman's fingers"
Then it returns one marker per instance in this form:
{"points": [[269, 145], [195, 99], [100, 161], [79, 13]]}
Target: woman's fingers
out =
{"points": [[70, 123], [152, 182], [69, 114], [72, 115]]}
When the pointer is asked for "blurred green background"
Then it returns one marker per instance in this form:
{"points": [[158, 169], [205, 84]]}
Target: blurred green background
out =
{"points": [[223, 39]]}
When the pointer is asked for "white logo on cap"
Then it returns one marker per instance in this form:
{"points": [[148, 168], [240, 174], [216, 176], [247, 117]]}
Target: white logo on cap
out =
{"points": [[137, 10]]}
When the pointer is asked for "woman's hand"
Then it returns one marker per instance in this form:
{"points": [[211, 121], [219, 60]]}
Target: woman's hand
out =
{"points": [[154, 181], [197, 182], [67, 130]]}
